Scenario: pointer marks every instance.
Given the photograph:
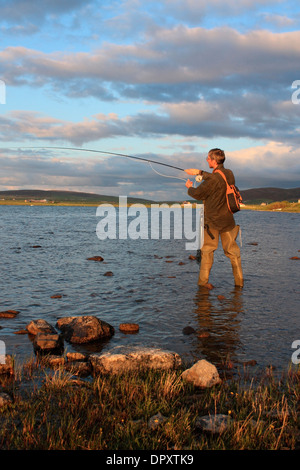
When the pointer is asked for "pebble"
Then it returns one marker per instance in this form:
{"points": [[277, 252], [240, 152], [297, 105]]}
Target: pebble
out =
{"points": [[96, 258], [9, 314], [5, 399], [129, 327], [188, 330]]}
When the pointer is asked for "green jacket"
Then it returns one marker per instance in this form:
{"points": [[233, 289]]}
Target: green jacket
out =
{"points": [[212, 192]]}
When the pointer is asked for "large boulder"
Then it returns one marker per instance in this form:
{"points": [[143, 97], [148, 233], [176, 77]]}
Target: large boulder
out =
{"points": [[202, 374], [84, 329], [120, 360]]}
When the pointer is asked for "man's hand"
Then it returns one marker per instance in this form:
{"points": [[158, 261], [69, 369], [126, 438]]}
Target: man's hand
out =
{"points": [[189, 184], [192, 171]]}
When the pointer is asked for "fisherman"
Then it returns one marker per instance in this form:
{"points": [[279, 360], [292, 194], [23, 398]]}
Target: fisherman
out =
{"points": [[218, 220]]}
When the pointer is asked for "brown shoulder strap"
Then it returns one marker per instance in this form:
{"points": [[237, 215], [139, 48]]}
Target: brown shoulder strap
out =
{"points": [[223, 176]]}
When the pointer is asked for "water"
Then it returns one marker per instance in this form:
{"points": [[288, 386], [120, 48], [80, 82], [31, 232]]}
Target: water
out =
{"points": [[150, 287]]}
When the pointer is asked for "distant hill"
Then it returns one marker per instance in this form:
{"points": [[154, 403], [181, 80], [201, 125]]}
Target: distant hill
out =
{"points": [[259, 195], [65, 196], [250, 196]]}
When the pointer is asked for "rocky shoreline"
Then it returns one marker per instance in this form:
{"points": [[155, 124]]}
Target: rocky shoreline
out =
{"points": [[49, 341]]}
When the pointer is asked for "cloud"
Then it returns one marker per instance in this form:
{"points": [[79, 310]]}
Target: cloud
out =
{"points": [[30, 10], [269, 165], [250, 116], [207, 60]]}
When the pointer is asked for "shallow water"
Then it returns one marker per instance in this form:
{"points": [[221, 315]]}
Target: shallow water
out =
{"points": [[150, 287]]}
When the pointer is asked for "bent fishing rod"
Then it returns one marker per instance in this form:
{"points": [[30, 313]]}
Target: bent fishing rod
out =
{"points": [[106, 153]]}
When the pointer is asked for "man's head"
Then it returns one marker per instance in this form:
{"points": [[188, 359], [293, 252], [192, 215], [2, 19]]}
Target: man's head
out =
{"points": [[215, 157]]}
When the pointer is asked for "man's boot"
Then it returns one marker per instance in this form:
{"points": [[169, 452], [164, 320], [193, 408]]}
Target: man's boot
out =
{"points": [[232, 251], [211, 238]]}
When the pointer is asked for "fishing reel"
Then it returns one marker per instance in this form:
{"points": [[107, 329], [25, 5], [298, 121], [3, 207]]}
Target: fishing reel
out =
{"points": [[199, 178]]}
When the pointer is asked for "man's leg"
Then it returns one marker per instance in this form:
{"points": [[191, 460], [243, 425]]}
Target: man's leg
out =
{"points": [[232, 251], [207, 254]]}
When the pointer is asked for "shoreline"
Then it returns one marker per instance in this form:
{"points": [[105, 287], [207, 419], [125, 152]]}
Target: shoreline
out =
{"points": [[280, 206]]}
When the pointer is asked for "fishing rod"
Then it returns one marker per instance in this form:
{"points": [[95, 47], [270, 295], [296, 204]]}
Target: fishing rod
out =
{"points": [[107, 153]]}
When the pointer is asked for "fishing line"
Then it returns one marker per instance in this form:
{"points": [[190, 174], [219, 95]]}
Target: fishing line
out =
{"points": [[166, 176]]}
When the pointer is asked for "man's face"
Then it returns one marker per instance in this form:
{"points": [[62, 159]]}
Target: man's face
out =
{"points": [[209, 161]]}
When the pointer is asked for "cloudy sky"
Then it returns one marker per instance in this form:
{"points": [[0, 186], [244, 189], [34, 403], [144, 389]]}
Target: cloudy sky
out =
{"points": [[165, 80]]}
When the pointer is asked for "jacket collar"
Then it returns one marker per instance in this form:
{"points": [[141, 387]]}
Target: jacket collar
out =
{"points": [[219, 167]]}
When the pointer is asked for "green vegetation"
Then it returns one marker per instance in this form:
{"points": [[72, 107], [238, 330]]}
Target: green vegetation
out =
{"points": [[283, 206], [53, 410]]}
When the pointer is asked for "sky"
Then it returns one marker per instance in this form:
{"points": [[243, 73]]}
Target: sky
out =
{"points": [[165, 80]]}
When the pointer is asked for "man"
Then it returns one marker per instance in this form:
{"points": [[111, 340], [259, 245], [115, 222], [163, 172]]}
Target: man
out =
{"points": [[218, 220]]}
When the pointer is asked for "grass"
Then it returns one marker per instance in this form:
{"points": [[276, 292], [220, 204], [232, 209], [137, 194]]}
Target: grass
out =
{"points": [[53, 410], [284, 206]]}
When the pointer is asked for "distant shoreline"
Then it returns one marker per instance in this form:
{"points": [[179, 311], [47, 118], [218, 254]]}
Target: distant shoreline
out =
{"points": [[280, 206]]}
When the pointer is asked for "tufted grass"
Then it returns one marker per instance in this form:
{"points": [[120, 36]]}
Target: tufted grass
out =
{"points": [[54, 410]]}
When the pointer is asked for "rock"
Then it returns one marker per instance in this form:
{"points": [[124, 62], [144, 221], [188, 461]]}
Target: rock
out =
{"points": [[55, 361], [188, 330], [295, 257], [76, 356], [84, 329], [121, 360], [95, 258], [129, 327], [9, 313], [202, 374], [215, 424], [47, 342], [63, 322], [7, 367], [56, 296], [221, 297], [79, 368], [156, 420], [5, 399], [108, 273], [21, 332], [40, 326], [192, 257]]}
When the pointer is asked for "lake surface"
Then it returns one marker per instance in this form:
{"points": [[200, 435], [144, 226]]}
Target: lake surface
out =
{"points": [[154, 284]]}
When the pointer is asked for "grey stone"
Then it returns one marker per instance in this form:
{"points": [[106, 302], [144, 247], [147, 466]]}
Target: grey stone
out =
{"points": [[215, 424], [120, 360], [202, 374], [156, 420]]}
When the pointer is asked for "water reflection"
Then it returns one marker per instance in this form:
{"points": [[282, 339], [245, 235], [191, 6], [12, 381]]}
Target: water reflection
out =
{"points": [[219, 319]]}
